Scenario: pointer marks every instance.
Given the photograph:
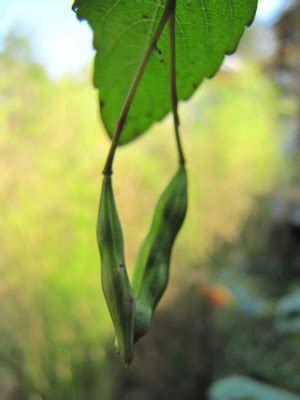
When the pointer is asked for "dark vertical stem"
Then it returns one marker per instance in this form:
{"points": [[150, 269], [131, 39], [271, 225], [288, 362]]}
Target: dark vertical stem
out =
{"points": [[135, 84], [173, 84]]}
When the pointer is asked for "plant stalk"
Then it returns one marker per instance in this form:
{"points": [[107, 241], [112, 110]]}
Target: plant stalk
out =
{"points": [[134, 86], [173, 84]]}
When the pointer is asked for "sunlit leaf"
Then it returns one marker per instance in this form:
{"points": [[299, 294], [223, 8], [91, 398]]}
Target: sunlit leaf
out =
{"points": [[206, 31]]}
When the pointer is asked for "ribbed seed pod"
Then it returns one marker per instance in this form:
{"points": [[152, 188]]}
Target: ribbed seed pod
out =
{"points": [[151, 272], [115, 283]]}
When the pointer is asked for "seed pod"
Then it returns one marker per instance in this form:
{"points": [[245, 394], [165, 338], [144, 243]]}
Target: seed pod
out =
{"points": [[151, 272], [115, 283]]}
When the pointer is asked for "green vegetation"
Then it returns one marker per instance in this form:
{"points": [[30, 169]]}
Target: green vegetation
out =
{"points": [[125, 35], [131, 100], [54, 326], [116, 287], [152, 269], [238, 387]]}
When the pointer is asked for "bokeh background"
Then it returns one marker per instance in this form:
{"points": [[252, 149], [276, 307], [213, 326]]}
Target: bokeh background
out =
{"points": [[228, 327]]}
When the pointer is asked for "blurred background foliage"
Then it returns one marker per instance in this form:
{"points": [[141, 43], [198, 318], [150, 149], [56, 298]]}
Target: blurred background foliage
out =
{"points": [[232, 306]]}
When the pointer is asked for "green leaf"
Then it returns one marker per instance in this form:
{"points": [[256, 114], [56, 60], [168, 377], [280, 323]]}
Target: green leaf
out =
{"points": [[206, 30], [288, 313], [243, 388]]}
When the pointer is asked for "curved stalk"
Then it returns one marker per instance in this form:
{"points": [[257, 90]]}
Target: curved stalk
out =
{"points": [[135, 84]]}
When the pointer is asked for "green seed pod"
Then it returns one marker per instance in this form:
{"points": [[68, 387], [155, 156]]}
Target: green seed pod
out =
{"points": [[115, 283], [151, 274]]}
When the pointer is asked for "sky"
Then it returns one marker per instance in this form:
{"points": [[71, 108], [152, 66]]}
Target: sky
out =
{"points": [[59, 41]]}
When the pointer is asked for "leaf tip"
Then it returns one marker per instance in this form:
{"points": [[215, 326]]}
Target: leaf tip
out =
{"points": [[75, 6]]}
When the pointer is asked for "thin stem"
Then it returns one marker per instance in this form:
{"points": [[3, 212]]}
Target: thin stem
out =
{"points": [[134, 86], [173, 85]]}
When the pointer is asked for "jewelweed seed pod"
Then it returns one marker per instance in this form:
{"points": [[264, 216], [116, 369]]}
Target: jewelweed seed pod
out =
{"points": [[151, 274], [116, 287]]}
